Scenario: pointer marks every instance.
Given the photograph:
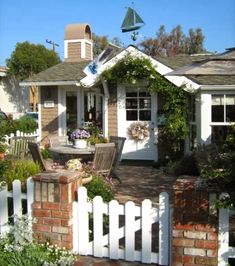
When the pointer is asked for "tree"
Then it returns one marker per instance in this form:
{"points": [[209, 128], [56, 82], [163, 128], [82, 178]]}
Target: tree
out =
{"points": [[101, 42], [28, 59], [175, 42]]}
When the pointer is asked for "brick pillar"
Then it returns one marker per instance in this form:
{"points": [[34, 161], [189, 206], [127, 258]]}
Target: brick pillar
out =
{"points": [[54, 194], [195, 230]]}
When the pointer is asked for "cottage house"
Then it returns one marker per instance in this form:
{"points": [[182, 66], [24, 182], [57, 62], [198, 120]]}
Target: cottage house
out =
{"points": [[14, 99], [74, 92]]}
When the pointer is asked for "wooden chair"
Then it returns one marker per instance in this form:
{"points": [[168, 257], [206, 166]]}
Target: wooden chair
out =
{"points": [[103, 158], [36, 155], [119, 144]]}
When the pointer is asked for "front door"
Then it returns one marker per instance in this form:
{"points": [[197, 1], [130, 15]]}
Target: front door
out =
{"points": [[136, 122]]}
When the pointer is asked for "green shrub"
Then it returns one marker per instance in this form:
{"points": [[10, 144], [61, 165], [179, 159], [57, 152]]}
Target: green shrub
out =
{"points": [[25, 124], [99, 187], [19, 169], [185, 166], [19, 248], [45, 153]]}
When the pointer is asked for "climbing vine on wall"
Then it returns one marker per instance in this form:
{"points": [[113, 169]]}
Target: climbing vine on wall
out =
{"points": [[138, 69]]}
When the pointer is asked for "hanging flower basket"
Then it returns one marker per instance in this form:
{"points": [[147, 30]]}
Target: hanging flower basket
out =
{"points": [[138, 131]]}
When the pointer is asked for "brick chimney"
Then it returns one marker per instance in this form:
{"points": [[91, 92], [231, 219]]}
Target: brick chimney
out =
{"points": [[78, 45]]}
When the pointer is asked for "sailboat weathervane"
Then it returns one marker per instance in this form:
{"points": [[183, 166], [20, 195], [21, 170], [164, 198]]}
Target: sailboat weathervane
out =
{"points": [[132, 22]]}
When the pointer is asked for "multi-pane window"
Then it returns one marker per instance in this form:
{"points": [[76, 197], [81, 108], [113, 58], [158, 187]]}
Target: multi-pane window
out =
{"points": [[138, 105], [222, 112], [223, 108]]}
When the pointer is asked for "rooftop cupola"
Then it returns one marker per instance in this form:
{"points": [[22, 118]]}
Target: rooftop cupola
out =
{"points": [[78, 45]]}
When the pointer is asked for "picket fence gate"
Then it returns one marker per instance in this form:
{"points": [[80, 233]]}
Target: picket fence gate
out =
{"points": [[225, 251], [17, 196], [136, 218]]}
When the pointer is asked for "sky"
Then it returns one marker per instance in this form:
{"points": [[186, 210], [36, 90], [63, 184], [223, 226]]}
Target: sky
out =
{"points": [[36, 21]]}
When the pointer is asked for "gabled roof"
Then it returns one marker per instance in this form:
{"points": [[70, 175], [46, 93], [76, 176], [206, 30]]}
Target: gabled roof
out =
{"points": [[67, 72], [210, 70], [71, 73]]}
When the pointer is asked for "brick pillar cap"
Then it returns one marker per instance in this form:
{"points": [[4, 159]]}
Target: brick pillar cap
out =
{"points": [[63, 176], [185, 183]]}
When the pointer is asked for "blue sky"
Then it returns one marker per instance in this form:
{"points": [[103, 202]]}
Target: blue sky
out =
{"points": [[36, 21]]}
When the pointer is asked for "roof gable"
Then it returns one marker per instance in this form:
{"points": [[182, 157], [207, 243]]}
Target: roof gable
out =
{"points": [[161, 68]]}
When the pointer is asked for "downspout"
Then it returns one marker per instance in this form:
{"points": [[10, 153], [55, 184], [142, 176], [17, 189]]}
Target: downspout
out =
{"points": [[105, 108]]}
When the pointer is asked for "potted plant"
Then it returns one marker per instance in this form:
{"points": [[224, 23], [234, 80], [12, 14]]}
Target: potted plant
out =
{"points": [[79, 137]]}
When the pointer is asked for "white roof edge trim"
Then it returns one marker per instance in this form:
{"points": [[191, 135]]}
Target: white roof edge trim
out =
{"points": [[161, 69], [218, 87], [47, 83]]}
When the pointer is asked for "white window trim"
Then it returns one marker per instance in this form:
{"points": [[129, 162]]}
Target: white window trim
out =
{"points": [[222, 123]]}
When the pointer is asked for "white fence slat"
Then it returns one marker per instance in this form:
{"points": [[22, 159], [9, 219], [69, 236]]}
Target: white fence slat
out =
{"points": [[223, 237], [30, 195], [98, 226], [129, 231], [83, 222], [3, 210], [146, 231], [163, 228], [136, 218], [75, 227], [17, 202], [113, 229]]}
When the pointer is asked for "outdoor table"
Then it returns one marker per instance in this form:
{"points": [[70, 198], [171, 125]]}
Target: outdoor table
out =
{"points": [[63, 153]]}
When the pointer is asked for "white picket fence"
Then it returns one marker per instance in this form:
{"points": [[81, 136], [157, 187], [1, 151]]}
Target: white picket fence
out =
{"points": [[225, 251], [136, 218], [22, 134], [17, 197]]}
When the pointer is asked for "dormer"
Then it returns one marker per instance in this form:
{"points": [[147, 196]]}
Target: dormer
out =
{"points": [[78, 44]]}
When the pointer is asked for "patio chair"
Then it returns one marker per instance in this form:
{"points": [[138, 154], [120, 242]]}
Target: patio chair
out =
{"points": [[103, 158], [36, 155], [119, 144]]}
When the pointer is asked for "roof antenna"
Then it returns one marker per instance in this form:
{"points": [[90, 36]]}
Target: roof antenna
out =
{"points": [[53, 44]]}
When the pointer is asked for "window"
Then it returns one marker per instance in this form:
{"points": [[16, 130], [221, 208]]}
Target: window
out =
{"points": [[223, 108], [138, 105]]}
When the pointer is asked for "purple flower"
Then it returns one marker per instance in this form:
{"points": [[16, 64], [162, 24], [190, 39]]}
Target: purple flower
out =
{"points": [[80, 133]]}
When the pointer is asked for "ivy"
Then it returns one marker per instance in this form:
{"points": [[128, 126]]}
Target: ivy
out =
{"points": [[133, 70]]}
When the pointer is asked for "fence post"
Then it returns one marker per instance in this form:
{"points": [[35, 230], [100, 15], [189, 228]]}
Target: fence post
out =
{"points": [[54, 193], [195, 229]]}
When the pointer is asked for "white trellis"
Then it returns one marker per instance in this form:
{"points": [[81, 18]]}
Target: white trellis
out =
{"points": [[17, 197], [136, 218]]}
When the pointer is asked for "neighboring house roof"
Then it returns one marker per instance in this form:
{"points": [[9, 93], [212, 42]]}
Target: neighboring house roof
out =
{"points": [[63, 73], [210, 70], [3, 71]]}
